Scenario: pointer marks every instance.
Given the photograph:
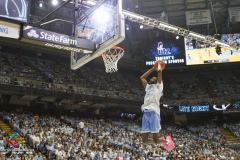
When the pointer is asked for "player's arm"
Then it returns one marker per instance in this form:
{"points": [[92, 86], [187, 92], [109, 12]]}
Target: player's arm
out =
{"points": [[159, 79], [145, 75]]}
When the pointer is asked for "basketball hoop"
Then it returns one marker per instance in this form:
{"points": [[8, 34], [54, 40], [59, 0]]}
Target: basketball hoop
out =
{"points": [[111, 58]]}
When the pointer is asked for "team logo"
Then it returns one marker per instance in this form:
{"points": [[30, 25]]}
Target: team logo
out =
{"points": [[33, 33], [224, 107]]}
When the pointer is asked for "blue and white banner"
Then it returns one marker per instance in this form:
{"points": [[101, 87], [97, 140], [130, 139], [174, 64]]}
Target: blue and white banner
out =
{"points": [[9, 30], [194, 108], [198, 17], [56, 40], [202, 108]]}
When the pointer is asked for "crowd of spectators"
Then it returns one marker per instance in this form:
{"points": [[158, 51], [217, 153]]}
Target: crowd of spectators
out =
{"points": [[64, 138], [231, 39], [234, 127], [13, 66], [44, 74], [222, 85], [190, 89], [86, 77]]}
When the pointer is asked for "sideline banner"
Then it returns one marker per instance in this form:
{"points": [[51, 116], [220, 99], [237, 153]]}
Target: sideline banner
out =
{"points": [[9, 30], [198, 17], [234, 14], [202, 108], [55, 40]]}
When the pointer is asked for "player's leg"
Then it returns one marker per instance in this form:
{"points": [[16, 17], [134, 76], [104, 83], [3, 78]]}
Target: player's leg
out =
{"points": [[155, 128], [158, 140], [146, 128], [146, 139]]}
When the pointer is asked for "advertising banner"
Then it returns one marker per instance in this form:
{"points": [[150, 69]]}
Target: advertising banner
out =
{"points": [[234, 14], [171, 51], [198, 17], [9, 30], [56, 40], [201, 108]]}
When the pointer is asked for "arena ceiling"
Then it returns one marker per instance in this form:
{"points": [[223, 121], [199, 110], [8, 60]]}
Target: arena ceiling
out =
{"points": [[174, 10], [135, 39]]}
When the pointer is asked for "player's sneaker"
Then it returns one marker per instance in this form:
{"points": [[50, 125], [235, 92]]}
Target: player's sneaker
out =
{"points": [[169, 145], [160, 144]]}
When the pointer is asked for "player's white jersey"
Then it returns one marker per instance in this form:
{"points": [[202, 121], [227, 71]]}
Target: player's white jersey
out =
{"points": [[152, 97]]}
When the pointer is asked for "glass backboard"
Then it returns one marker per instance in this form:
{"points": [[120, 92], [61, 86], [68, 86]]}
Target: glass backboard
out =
{"points": [[104, 26]]}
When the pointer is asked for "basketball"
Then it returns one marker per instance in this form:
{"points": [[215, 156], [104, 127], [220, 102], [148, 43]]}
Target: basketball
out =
{"points": [[163, 65]]}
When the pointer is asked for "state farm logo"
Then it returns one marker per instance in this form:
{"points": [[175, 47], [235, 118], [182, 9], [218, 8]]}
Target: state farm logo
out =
{"points": [[53, 37], [33, 33]]}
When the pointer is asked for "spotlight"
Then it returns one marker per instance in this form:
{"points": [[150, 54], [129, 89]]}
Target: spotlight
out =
{"points": [[54, 2], [141, 26], [177, 37], [40, 3], [136, 8], [127, 27], [101, 15]]}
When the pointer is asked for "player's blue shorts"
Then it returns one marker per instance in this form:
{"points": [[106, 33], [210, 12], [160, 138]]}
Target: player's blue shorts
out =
{"points": [[150, 122]]}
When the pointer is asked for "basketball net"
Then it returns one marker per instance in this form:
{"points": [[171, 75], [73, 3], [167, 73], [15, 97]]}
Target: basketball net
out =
{"points": [[111, 58]]}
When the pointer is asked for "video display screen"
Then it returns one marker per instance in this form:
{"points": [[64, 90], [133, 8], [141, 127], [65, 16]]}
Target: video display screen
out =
{"points": [[15, 10], [200, 53], [171, 51]]}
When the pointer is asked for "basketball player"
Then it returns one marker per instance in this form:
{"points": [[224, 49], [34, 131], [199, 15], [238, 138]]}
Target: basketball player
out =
{"points": [[200, 55], [151, 110], [205, 48], [209, 53], [189, 57]]}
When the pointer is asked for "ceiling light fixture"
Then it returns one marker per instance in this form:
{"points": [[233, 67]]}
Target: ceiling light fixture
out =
{"points": [[223, 44], [196, 35], [127, 27], [54, 2], [40, 3], [167, 26], [133, 15]]}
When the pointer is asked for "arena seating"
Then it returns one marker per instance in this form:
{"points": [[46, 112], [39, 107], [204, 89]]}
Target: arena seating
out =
{"points": [[234, 127], [113, 138], [187, 86], [45, 74], [14, 66], [222, 82]]}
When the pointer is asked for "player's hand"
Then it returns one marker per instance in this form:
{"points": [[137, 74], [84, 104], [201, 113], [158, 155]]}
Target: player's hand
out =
{"points": [[154, 69]]}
